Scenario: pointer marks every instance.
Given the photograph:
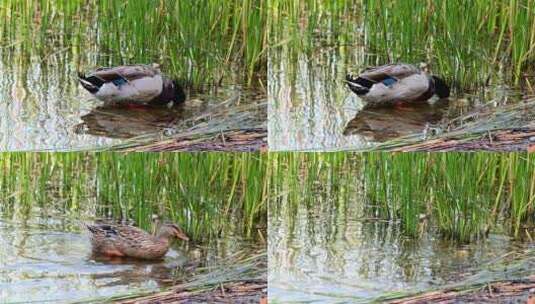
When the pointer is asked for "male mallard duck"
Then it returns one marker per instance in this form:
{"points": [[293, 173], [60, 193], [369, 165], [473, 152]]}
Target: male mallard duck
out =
{"points": [[132, 83], [387, 84], [129, 241]]}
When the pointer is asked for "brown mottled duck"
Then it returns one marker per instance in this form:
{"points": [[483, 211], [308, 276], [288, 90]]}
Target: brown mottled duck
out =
{"points": [[129, 241]]}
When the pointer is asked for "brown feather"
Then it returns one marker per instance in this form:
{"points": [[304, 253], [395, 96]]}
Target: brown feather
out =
{"points": [[398, 71], [128, 72]]}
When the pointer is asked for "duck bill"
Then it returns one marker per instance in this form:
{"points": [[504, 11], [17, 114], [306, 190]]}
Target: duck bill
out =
{"points": [[182, 236]]}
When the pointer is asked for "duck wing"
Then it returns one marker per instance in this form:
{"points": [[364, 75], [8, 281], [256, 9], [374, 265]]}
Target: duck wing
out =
{"points": [[389, 71], [130, 233], [135, 242], [126, 72], [116, 231], [101, 232]]}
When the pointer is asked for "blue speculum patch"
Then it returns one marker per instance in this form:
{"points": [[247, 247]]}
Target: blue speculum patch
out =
{"points": [[389, 81], [119, 81]]}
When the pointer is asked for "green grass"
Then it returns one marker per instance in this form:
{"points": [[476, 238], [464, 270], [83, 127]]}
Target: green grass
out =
{"points": [[201, 42], [462, 195], [466, 41], [471, 44], [206, 193]]}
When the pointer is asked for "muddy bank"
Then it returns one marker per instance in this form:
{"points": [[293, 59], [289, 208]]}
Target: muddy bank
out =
{"points": [[232, 292], [515, 291], [512, 140], [250, 140]]}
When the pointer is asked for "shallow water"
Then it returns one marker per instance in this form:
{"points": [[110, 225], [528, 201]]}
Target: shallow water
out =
{"points": [[42, 107], [48, 258], [311, 108], [329, 252]]}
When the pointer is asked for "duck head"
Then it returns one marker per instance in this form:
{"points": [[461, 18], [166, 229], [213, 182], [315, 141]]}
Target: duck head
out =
{"points": [[172, 91], [179, 95], [168, 231], [441, 88]]}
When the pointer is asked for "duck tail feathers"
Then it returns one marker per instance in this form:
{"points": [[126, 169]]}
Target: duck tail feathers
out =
{"points": [[361, 81], [89, 227], [359, 85], [91, 84]]}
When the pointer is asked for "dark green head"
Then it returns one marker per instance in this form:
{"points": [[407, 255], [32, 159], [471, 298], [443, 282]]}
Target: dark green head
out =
{"points": [[441, 88], [179, 94]]}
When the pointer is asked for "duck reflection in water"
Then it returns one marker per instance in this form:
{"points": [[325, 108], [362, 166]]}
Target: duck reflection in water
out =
{"points": [[127, 121], [385, 123], [162, 272]]}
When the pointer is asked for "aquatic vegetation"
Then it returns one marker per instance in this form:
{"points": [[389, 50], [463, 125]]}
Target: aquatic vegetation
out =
{"points": [[503, 273], [219, 59], [243, 122], [218, 199], [314, 44], [204, 193], [372, 227], [172, 33], [506, 128], [464, 196], [472, 44], [245, 270]]}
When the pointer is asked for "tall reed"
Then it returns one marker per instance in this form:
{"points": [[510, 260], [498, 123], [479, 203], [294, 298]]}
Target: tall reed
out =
{"points": [[470, 43], [197, 41], [464, 196], [208, 194]]}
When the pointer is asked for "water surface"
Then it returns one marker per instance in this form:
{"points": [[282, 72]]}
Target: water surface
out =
{"points": [[42, 107], [323, 247], [47, 257]]}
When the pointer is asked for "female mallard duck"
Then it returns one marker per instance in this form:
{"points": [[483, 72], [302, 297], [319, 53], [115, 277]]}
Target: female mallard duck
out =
{"points": [[132, 83], [129, 241], [391, 83]]}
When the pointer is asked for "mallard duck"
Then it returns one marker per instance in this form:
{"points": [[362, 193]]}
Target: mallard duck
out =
{"points": [[129, 241], [142, 84], [388, 84]]}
